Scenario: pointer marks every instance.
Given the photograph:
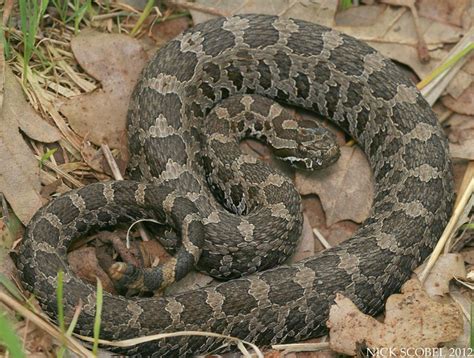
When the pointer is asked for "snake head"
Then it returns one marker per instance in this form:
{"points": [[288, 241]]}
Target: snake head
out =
{"points": [[315, 148]]}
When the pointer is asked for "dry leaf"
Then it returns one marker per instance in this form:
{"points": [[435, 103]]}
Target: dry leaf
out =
{"points": [[305, 247], [394, 34], [321, 11], [115, 60], [464, 104], [412, 319], [468, 255], [163, 32], [359, 16], [83, 262], [346, 188], [451, 11], [445, 269], [461, 137], [19, 174], [336, 233], [192, 281], [9, 271]]}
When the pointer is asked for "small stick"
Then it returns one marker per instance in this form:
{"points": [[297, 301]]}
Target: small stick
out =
{"points": [[422, 49], [321, 239], [39, 321], [5, 213], [448, 231], [301, 347], [118, 176], [198, 7], [61, 173]]}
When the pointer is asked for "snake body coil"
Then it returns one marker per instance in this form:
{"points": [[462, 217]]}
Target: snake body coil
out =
{"points": [[293, 62]]}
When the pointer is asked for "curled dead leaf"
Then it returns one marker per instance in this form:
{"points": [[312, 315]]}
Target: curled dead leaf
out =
{"points": [[116, 61], [444, 270], [412, 319], [19, 175], [464, 104], [346, 188]]}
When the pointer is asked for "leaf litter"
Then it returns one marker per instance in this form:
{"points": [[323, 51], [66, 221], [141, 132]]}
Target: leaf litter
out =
{"points": [[390, 29], [412, 319], [100, 116], [19, 180]]}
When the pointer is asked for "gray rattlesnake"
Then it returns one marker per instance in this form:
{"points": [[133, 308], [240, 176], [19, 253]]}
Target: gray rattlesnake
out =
{"points": [[293, 62]]}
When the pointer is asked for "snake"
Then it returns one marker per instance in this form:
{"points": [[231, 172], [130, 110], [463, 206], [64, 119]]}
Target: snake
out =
{"points": [[231, 215]]}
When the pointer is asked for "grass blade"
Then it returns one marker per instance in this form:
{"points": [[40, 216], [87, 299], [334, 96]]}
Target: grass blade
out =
{"points": [[59, 301], [98, 314], [9, 339], [143, 16], [11, 288]]}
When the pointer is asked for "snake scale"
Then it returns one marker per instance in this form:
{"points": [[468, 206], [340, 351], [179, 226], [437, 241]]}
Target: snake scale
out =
{"points": [[180, 92]]}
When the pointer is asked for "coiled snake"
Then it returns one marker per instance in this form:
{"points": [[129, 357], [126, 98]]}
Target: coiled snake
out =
{"points": [[171, 111]]}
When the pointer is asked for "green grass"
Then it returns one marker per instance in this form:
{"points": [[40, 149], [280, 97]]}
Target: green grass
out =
{"points": [[98, 314], [31, 13], [61, 7], [8, 336], [60, 304], [10, 287], [79, 11], [445, 66], [61, 319], [345, 4], [72, 11], [6, 45], [9, 339], [46, 156], [143, 16]]}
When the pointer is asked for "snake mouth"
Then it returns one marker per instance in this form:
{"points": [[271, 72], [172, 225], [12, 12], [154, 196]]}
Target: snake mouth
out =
{"points": [[319, 159]]}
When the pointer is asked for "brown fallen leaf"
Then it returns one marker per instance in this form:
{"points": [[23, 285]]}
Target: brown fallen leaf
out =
{"points": [[192, 281], [394, 34], [461, 137], [38, 343], [464, 104], [468, 255], [334, 234], [115, 60], [359, 16], [321, 11], [450, 11], [345, 189], [305, 246], [164, 31], [19, 173], [412, 319], [445, 269], [8, 271], [83, 262]]}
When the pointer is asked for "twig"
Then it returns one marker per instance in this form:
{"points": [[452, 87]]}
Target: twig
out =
{"points": [[118, 176], [467, 178], [448, 231], [321, 239], [154, 337], [39, 321], [434, 84], [422, 49], [301, 347], [62, 173], [111, 15], [111, 162], [198, 7], [5, 213]]}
